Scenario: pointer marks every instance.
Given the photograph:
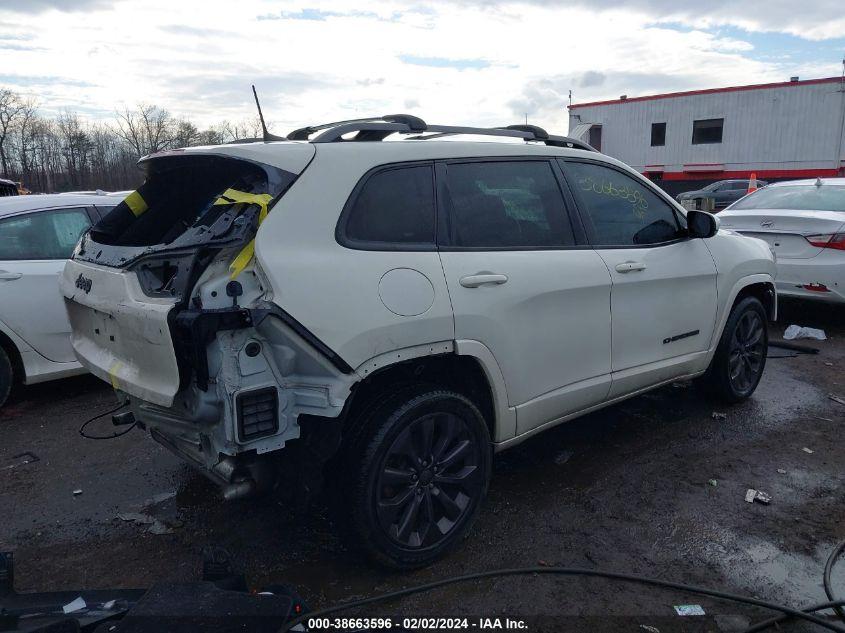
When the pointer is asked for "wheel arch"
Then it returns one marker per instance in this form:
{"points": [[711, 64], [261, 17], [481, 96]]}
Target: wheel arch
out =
{"points": [[761, 286], [13, 351], [467, 367]]}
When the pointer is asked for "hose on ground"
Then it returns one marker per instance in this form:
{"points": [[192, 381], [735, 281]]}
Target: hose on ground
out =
{"points": [[577, 571]]}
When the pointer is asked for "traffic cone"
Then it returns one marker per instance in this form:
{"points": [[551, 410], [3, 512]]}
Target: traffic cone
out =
{"points": [[752, 183]]}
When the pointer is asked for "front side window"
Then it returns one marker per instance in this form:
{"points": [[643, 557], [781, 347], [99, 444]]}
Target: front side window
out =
{"points": [[395, 206], [707, 131], [42, 235], [621, 210], [506, 204]]}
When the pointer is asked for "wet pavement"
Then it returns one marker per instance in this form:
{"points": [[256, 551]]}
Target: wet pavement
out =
{"points": [[626, 489]]}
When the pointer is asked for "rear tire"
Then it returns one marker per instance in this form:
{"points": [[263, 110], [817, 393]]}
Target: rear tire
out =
{"points": [[418, 473], [740, 359], [7, 376]]}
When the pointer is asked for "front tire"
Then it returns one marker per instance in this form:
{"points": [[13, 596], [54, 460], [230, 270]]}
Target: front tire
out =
{"points": [[418, 475], [7, 376], [740, 359]]}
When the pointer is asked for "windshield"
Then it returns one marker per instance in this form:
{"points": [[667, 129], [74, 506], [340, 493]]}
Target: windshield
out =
{"points": [[796, 197]]}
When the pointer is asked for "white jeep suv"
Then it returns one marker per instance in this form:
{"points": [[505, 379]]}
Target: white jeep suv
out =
{"points": [[391, 302]]}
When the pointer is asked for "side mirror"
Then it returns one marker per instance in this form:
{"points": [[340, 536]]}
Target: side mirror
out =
{"points": [[702, 224]]}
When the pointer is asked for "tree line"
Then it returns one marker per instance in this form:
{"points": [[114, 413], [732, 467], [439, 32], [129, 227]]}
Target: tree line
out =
{"points": [[69, 152]]}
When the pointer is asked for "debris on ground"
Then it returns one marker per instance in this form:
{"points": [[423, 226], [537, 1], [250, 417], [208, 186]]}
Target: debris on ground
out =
{"points": [[796, 332], [809, 451], [836, 398], [781, 471], [713, 482], [156, 526], [828, 363], [649, 628], [77, 492], [752, 495], [793, 347], [818, 417], [719, 416], [137, 517], [689, 609], [563, 457], [21, 459], [74, 605], [543, 563]]}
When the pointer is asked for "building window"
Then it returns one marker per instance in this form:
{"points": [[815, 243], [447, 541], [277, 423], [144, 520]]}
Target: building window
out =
{"points": [[658, 134], [707, 131], [595, 137]]}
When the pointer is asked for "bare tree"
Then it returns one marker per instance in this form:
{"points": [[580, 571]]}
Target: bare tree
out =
{"points": [[11, 106], [147, 128]]}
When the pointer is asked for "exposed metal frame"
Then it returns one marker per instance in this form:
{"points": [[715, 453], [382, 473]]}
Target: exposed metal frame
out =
{"points": [[379, 128]]}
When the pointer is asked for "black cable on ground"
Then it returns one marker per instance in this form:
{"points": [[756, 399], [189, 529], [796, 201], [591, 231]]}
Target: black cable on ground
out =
{"points": [[828, 567], [754, 628], [567, 571], [97, 417]]}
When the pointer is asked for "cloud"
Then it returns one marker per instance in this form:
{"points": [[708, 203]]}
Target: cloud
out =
{"points": [[442, 62], [816, 20], [39, 6]]}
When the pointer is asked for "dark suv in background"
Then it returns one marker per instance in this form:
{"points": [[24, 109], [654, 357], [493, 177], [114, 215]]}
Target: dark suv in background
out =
{"points": [[723, 193]]}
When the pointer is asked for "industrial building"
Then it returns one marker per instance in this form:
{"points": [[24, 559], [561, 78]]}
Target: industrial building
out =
{"points": [[686, 140]]}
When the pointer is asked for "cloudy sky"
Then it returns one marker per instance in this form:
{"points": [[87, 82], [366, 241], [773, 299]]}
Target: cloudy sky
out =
{"points": [[450, 61]]}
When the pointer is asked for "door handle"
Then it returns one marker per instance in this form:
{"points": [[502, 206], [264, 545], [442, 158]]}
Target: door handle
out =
{"points": [[474, 281], [627, 267], [5, 275]]}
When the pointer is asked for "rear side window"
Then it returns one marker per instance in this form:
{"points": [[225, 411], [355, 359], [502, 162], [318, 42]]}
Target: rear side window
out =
{"points": [[42, 235], [620, 210], [506, 204], [395, 206]]}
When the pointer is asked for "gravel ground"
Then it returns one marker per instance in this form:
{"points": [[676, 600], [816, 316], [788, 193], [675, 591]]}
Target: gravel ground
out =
{"points": [[625, 489]]}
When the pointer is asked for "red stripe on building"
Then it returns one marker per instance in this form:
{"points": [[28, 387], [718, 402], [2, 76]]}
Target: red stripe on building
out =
{"points": [[743, 174], [707, 91]]}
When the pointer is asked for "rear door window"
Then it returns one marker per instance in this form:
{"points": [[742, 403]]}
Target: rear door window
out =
{"points": [[394, 207], [619, 210], [506, 204], [43, 234]]}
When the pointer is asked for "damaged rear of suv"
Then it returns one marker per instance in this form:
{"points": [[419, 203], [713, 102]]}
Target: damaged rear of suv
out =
{"points": [[167, 305]]}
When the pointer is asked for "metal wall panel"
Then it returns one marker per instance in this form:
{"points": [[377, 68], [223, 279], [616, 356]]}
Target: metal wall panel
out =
{"points": [[787, 127]]}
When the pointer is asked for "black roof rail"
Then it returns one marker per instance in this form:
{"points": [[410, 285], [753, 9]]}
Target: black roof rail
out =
{"points": [[379, 128]]}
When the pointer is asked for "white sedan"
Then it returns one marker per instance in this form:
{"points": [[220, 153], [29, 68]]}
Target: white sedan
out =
{"points": [[37, 235], [804, 223]]}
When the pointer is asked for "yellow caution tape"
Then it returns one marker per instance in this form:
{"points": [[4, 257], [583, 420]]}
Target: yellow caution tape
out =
{"points": [[233, 196], [136, 203]]}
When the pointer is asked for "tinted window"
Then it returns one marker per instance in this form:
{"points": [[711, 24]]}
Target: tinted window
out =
{"points": [[506, 204], [707, 131], [796, 197], [42, 235], [658, 134], [394, 206], [621, 210]]}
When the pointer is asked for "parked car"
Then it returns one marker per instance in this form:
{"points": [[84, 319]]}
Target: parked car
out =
{"points": [[404, 310], [37, 235], [804, 223], [721, 194], [8, 188]]}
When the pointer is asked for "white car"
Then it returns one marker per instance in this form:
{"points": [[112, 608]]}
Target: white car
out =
{"points": [[406, 308], [37, 235], [804, 223]]}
